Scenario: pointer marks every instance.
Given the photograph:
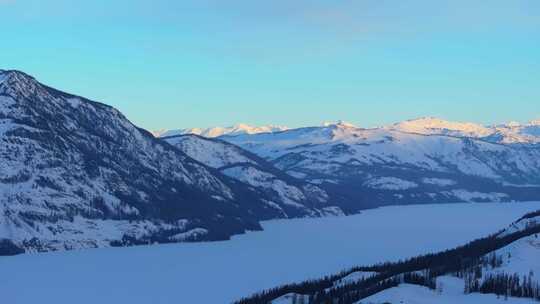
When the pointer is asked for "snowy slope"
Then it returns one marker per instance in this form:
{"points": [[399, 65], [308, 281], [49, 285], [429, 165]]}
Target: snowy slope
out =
{"points": [[221, 131], [521, 258], [517, 133], [212, 152], [415, 162], [452, 293], [287, 194], [76, 174]]}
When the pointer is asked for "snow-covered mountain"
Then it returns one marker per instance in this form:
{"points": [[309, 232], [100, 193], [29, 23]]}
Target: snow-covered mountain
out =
{"points": [[510, 133], [420, 161], [76, 173], [291, 196], [221, 131]]}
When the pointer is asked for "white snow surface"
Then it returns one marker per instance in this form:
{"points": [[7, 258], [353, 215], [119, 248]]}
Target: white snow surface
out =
{"points": [[519, 133], [438, 181], [521, 257], [287, 251], [390, 183], [509, 133], [471, 196]]}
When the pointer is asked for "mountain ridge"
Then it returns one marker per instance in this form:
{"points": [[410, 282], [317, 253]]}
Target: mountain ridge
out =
{"points": [[388, 165], [213, 132], [78, 174], [292, 196]]}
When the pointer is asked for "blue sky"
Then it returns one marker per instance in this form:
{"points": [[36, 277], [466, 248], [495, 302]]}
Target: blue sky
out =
{"points": [[170, 64]]}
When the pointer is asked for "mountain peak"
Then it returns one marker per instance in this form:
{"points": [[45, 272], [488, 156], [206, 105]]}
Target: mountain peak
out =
{"points": [[15, 75], [427, 121], [339, 124], [13, 82], [243, 126], [85, 171]]}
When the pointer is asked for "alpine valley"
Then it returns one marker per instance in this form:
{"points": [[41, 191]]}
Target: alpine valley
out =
{"points": [[75, 173]]}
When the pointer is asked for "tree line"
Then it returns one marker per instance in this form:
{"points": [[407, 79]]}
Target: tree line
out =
{"points": [[463, 259]]}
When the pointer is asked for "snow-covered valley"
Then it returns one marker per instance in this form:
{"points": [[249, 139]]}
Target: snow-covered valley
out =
{"points": [[77, 174], [221, 272]]}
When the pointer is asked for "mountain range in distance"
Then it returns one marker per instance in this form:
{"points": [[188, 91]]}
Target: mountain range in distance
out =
{"points": [[511, 132], [220, 131], [416, 161]]}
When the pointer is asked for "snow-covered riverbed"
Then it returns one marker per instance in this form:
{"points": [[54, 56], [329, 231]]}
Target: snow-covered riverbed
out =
{"points": [[287, 251]]}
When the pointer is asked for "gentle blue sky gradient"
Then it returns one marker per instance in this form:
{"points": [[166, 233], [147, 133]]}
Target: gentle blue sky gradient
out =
{"points": [[171, 64]]}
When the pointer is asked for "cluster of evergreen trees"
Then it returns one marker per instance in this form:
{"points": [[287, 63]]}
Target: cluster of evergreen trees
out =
{"points": [[506, 285], [462, 261], [473, 271], [353, 292], [501, 284]]}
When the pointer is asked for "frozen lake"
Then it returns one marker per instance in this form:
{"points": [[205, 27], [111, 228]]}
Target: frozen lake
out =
{"points": [[287, 251]]}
